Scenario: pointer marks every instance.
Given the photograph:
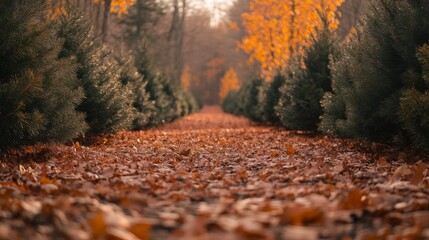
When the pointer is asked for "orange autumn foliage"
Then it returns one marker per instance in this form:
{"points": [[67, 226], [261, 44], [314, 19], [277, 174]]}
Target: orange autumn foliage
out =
{"points": [[279, 29], [54, 8], [120, 6], [228, 83]]}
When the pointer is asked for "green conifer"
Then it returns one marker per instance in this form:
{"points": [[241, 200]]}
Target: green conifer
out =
{"points": [[414, 104], [299, 104], [131, 77], [273, 97], [38, 92], [250, 97], [163, 99], [230, 103], [108, 103], [371, 74]]}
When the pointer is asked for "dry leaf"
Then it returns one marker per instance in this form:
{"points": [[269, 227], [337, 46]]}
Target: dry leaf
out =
{"points": [[98, 225]]}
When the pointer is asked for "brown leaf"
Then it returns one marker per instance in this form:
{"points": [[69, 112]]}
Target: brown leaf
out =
{"points": [[141, 229], [300, 233], [290, 150], [354, 199], [185, 152], [250, 229], [49, 188], [274, 154], [418, 172], [300, 216], [119, 234]]}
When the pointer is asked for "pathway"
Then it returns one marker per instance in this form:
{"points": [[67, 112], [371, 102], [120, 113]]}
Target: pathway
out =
{"points": [[214, 176]]}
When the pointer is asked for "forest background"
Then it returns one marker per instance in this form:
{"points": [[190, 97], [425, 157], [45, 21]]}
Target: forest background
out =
{"points": [[191, 44]]}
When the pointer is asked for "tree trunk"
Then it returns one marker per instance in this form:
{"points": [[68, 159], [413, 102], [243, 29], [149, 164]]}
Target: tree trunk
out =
{"points": [[106, 18], [176, 36], [292, 29], [180, 41]]}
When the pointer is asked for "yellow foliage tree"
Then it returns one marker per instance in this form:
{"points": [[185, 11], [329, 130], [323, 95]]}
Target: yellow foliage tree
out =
{"points": [[118, 6], [185, 79], [277, 30], [228, 83]]}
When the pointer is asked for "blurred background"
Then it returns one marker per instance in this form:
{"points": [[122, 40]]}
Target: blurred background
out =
{"points": [[196, 42]]}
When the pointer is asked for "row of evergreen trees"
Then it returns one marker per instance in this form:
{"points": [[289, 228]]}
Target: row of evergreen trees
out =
{"points": [[58, 81], [374, 87]]}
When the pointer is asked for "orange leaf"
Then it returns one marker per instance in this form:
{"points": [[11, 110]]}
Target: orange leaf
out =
{"points": [[290, 150], [98, 225], [141, 230], [353, 200], [302, 215]]}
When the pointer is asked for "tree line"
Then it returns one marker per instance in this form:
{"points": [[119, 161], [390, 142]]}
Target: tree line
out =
{"points": [[59, 81], [371, 85]]}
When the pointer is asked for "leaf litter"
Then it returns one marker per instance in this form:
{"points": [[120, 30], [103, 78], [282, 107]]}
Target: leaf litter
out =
{"points": [[214, 176]]}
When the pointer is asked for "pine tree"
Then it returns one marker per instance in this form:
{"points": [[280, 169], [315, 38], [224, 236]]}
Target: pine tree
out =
{"points": [[273, 97], [108, 104], [38, 92], [192, 103], [250, 98], [137, 23], [133, 79], [371, 73], [229, 104], [414, 103], [299, 104], [161, 95]]}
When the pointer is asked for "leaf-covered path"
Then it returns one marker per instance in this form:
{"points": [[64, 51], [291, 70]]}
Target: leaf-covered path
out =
{"points": [[214, 176]]}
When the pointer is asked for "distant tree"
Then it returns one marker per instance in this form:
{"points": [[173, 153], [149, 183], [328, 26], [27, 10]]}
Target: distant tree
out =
{"points": [[115, 6], [230, 103], [350, 12], [278, 30], [228, 83], [214, 71], [140, 21], [249, 98], [185, 79], [272, 96], [38, 91]]}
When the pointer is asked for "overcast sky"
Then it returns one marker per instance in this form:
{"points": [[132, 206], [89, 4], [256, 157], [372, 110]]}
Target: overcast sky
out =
{"points": [[216, 7]]}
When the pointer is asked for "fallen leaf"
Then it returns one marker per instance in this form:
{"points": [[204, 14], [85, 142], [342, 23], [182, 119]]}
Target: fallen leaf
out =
{"points": [[354, 199], [119, 234], [98, 225], [301, 216], [141, 229], [300, 233]]}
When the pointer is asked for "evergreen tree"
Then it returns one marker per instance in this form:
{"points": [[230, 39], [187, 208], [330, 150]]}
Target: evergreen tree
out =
{"points": [[414, 106], [250, 97], [370, 75], [38, 92], [108, 104], [299, 104], [181, 101], [132, 78], [191, 102], [273, 97], [163, 99], [230, 103], [137, 23]]}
